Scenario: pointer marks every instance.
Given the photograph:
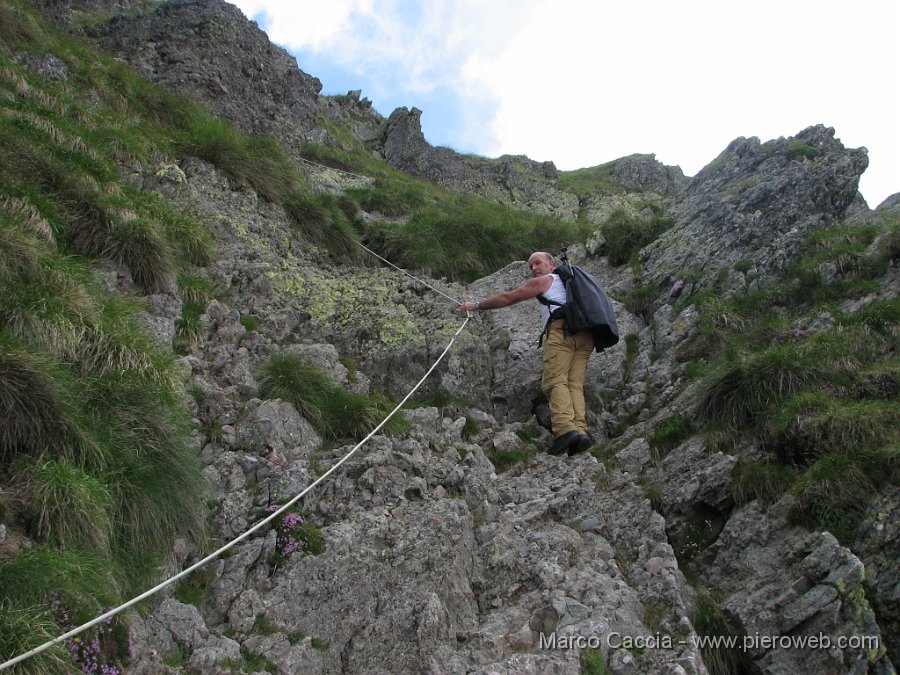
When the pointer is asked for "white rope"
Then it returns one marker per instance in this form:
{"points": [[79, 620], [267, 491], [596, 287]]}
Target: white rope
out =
{"points": [[260, 524], [424, 283], [355, 175], [331, 168]]}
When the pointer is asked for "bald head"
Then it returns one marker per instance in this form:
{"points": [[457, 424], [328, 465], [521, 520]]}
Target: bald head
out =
{"points": [[540, 263]]}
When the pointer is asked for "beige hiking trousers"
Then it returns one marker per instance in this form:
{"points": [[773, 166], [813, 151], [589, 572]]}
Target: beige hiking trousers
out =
{"points": [[565, 365]]}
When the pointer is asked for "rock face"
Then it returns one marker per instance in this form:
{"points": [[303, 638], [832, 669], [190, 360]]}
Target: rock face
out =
{"points": [[644, 174], [434, 561], [208, 51], [517, 181], [756, 202], [437, 556]]}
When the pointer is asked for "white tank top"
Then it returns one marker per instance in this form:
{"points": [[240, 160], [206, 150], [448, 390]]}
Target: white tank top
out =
{"points": [[557, 293]]}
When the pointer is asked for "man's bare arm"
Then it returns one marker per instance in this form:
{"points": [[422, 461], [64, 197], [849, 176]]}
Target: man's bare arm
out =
{"points": [[530, 289]]}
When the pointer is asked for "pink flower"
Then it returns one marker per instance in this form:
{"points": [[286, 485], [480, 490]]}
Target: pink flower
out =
{"points": [[291, 520]]}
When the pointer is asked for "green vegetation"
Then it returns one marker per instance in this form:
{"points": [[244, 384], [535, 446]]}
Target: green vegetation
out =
{"points": [[422, 227], [25, 628], [464, 238], [837, 487], [765, 481], [295, 535], [710, 621], [821, 403], [334, 412], [592, 663], [192, 589], [504, 460], [323, 220], [669, 435], [393, 197], [95, 465], [653, 492], [255, 663], [442, 400], [593, 180], [626, 235], [251, 323], [258, 161], [639, 301], [799, 151], [188, 328], [837, 264]]}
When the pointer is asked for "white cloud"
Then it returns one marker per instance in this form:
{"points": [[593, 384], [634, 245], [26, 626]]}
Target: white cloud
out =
{"points": [[303, 24]]}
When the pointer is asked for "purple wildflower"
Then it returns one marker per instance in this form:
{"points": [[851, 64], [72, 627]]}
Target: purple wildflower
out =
{"points": [[291, 520]]}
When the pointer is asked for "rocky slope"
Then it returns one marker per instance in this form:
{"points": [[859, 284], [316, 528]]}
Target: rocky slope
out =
{"points": [[435, 560]]}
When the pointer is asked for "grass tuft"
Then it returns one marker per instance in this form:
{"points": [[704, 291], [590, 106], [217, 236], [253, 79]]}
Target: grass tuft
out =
{"points": [[746, 385], [836, 489], [333, 411], [391, 197], [32, 403], [812, 424], [26, 627], [64, 505], [626, 235], [711, 621], [18, 27], [762, 481], [257, 161], [669, 435], [322, 220], [466, 238], [33, 574]]}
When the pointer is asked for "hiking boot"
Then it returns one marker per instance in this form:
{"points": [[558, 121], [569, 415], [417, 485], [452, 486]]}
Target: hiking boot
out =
{"points": [[563, 443], [584, 443]]}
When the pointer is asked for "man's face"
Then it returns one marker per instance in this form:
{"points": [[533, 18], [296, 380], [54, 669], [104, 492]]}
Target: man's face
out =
{"points": [[539, 266]]}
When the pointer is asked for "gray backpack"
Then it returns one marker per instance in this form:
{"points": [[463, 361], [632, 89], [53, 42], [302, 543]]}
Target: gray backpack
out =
{"points": [[587, 306]]}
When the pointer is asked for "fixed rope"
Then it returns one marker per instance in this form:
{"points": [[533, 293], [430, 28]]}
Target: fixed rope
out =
{"points": [[424, 283], [331, 168], [215, 554]]}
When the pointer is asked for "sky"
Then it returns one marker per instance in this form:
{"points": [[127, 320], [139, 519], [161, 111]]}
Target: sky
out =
{"points": [[584, 82]]}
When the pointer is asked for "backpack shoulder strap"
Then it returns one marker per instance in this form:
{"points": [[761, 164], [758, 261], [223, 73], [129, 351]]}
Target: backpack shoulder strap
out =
{"points": [[544, 332], [544, 300]]}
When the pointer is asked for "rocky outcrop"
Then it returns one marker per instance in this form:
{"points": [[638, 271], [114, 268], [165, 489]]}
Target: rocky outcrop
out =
{"points": [[434, 563], [781, 581], [755, 203], [208, 51], [516, 181], [878, 541], [643, 173]]}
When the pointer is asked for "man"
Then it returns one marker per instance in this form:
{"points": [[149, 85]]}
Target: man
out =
{"points": [[565, 356]]}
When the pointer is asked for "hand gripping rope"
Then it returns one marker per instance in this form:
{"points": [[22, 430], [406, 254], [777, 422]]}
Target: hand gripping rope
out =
{"points": [[269, 518]]}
